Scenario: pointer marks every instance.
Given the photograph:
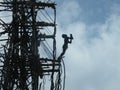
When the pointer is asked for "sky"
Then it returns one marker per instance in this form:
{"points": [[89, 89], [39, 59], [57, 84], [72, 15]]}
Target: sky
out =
{"points": [[92, 60]]}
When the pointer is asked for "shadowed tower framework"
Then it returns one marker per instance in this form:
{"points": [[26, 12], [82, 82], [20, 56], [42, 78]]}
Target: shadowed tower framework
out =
{"points": [[28, 46]]}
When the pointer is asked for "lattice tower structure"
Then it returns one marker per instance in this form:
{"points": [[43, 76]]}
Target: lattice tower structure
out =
{"points": [[28, 46]]}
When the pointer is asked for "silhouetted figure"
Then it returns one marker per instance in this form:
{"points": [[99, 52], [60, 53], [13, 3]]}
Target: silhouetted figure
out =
{"points": [[67, 40]]}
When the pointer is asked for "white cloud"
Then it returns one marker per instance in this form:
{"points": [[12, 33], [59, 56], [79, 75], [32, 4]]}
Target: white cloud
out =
{"points": [[93, 63], [68, 12]]}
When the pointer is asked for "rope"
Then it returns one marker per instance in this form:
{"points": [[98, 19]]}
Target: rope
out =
{"points": [[46, 49], [49, 16], [64, 70], [48, 46], [45, 16], [46, 28], [58, 84]]}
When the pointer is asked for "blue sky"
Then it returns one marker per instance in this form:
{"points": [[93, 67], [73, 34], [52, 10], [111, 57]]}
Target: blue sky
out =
{"points": [[93, 11], [96, 11], [92, 60]]}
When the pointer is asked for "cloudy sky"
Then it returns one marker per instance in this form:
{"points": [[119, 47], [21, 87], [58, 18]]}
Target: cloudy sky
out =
{"points": [[93, 59]]}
